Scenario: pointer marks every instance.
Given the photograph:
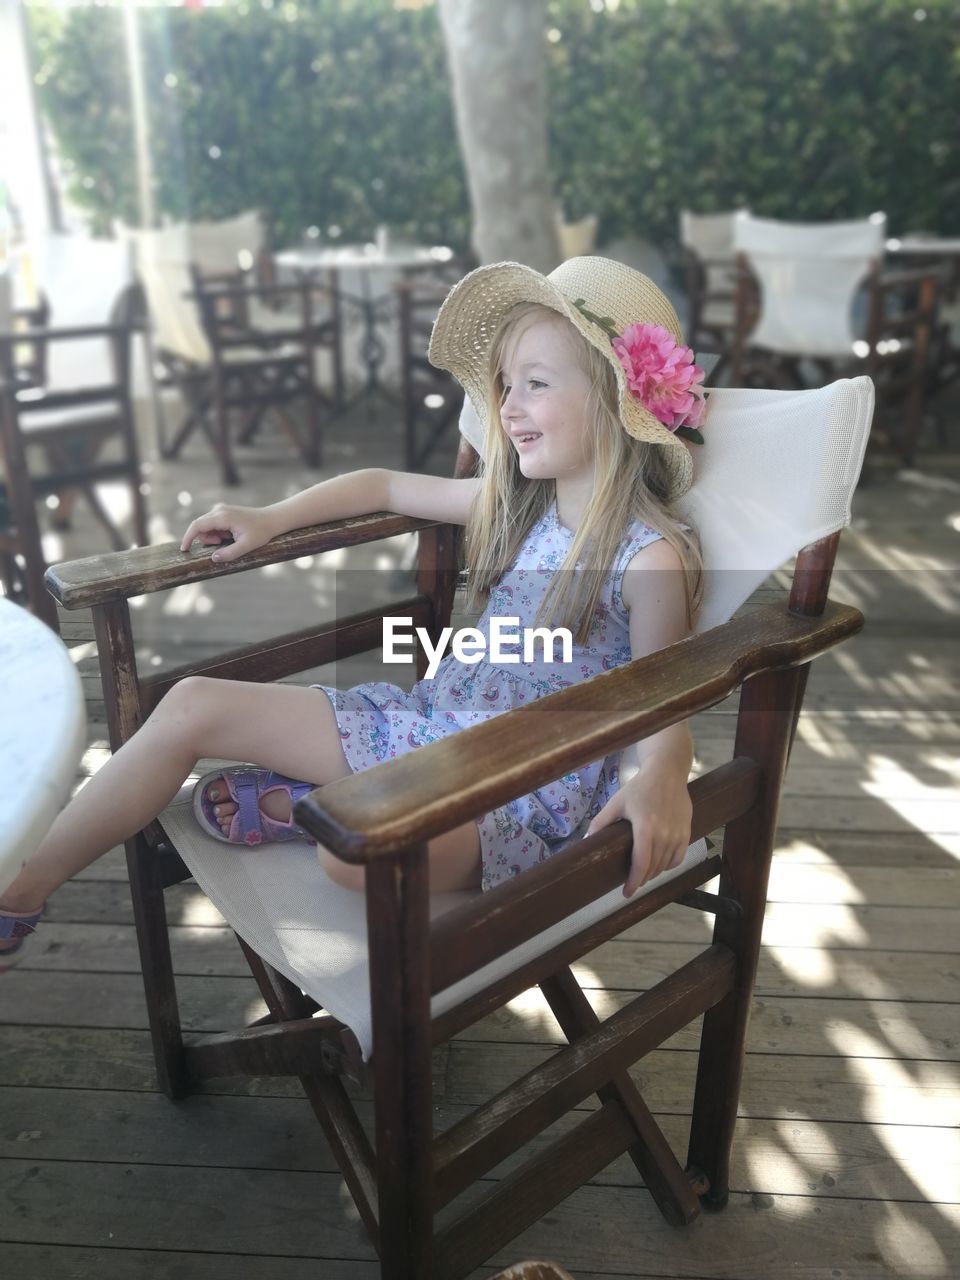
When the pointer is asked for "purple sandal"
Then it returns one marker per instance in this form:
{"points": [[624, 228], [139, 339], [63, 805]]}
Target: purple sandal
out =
{"points": [[14, 924], [250, 824]]}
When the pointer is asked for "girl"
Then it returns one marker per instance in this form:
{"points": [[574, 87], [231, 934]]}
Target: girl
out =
{"points": [[585, 389]]}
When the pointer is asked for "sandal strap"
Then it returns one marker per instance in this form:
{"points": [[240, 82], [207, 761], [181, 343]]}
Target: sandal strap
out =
{"points": [[13, 925], [246, 792]]}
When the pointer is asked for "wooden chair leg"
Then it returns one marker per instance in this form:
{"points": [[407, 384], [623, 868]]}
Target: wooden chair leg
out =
{"points": [[657, 1165], [398, 929], [228, 470], [767, 713]]}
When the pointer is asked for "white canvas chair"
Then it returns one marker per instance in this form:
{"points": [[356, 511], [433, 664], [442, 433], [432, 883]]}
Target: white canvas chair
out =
{"points": [[814, 296], [218, 362], [395, 972], [711, 274], [809, 275]]}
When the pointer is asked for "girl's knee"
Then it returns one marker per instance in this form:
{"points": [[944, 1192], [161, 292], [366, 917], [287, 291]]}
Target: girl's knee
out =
{"points": [[192, 703], [342, 873]]}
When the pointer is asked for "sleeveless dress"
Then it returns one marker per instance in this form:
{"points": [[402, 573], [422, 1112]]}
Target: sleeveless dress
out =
{"points": [[378, 720]]}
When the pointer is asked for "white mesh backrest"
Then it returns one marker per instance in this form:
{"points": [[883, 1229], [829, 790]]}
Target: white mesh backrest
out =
{"points": [[162, 263], [220, 248], [777, 472], [81, 279], [808, 274]]}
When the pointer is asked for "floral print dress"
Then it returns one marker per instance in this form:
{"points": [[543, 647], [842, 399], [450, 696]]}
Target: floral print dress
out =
{"points": [[378, 720]]}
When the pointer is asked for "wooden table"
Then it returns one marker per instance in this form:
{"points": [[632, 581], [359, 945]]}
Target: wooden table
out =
{"points": [[42, 733]]}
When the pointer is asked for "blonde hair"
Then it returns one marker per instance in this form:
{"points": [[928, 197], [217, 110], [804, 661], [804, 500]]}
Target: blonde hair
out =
{"points": [[630, 481]]}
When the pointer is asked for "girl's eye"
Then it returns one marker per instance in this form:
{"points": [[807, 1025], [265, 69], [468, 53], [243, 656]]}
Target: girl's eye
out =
{"points": [[536, 384]]}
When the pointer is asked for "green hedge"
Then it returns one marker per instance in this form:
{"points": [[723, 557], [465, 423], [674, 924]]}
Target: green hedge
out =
{"points": [[337, 112]]}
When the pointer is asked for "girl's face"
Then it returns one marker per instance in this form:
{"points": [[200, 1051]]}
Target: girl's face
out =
{"points": [[545, 403]]}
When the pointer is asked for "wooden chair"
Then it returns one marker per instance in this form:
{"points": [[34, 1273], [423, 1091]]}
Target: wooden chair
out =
{"points": [[220, 361], [365, 986], [797, 290], [432, 398], [710, 272], [21, 552], [87, 435]]}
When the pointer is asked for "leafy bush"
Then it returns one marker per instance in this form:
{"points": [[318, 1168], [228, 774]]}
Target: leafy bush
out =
{"points": [[336, 113]]}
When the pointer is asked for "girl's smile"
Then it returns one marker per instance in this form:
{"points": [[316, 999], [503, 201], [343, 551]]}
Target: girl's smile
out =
{"points": [[544, 405]]}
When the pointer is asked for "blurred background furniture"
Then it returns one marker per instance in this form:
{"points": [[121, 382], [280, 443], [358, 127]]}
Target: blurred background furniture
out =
{"points": [[363, 277], [813, 303], [203, 337], [21, 553], [431, 397], [42, 733], [710, 272], [85, 431], [940, 254]]}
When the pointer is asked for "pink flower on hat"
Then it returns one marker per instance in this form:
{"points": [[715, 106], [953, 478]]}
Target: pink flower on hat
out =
{"points": [[661, 374]]}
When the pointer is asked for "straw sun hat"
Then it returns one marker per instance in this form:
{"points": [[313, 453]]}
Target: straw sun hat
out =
{"points": [[598, 296]]}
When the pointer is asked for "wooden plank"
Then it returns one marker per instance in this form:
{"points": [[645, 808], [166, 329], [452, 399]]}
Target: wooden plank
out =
{"points": [[810, 1087], [66, 1262], [793, 1156], [296, 1214], [628, 964], [843, 925], [805, 1025]]}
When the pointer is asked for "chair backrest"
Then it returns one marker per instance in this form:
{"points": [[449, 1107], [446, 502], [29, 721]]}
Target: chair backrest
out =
{"points": [[708, 235], [162, 263], [777, 472], [82, 279], [227, 246], [809, 274]]}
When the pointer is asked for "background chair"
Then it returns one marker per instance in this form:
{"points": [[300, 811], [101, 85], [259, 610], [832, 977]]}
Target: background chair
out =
{"points": [[21, 553], [813, 303], [710, 271], [432, 399], [86, 433], [218, 362], [396, 972]]}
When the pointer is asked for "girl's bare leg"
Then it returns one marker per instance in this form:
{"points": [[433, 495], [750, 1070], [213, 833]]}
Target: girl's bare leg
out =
{"points": [[286, 728], [282, 727]]}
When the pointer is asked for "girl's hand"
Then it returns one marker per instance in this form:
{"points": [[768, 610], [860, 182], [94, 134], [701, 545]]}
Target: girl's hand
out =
{"points": [[249, 527], [657, 805]]}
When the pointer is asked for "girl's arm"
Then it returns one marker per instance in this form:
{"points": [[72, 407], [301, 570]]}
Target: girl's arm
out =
{"points": [[357, 493], [655, 800]]}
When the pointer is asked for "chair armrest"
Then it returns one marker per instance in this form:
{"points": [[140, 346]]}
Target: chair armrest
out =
{"points": [[47, 335], [444, 784], [903, 277], [214, 290], [80, 584]]}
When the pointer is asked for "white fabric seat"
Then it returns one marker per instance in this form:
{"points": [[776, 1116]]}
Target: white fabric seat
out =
{"points": [[791, 458]]}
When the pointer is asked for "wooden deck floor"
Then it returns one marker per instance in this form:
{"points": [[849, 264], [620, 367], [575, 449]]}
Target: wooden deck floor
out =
{"points": [[847, 1161]]}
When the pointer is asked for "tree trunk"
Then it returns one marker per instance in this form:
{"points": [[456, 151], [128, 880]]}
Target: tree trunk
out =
{"points": [[498, 68]]}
